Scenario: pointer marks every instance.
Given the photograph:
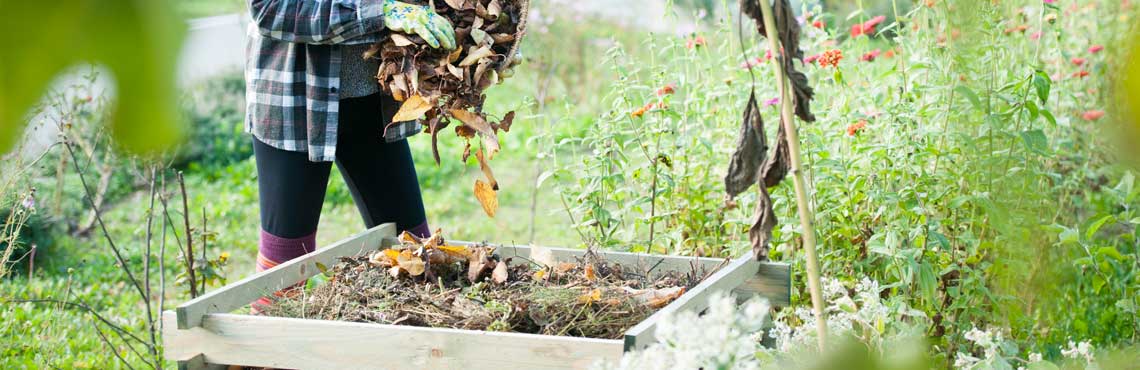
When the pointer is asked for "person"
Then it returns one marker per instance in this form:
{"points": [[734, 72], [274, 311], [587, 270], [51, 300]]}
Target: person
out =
{"points": [[312, 100]]}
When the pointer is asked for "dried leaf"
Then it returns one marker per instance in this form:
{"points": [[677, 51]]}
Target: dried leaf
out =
{"points": [[412, 109], [751, 150], [384, 258], [655, 298], [540, 275], [400, 40], [564, 267], [543, 256], [486, 168], [494, 9], [476, 56], [500, 275], [591, 273], [454, 56], [456, 4], [761, 231], [394, 271], [480, 125], [466, 149], [508, 119], [591, 296], [413, 264], [455, 71], [487, 197]]}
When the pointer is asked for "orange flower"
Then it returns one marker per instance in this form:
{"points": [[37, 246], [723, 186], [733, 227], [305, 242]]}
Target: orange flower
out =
{"points": [[648, 107], [1092, 115], [830, 58], [818, 24], [668, 89], [695, 42], [856, 127], [1081, 74], [890, 53]]}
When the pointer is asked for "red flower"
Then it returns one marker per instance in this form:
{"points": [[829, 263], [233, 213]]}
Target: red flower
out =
{"points": [[830, 58], [695, 42], [1081, 74], [870, 56], [1092, 115], [856, 127], [1095, 49], [1035, 35], [889, 54], [818, 24], [811, 59], [667, 90], [1079, 61], [868, 27]]}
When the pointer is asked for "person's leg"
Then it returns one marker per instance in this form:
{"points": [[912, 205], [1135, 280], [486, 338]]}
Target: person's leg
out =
{"points": [[380, 175], [291, 190]]}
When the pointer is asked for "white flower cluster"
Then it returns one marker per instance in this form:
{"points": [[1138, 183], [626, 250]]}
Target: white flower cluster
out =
{"points": [[1079, 351], [991, 342], [724, 338]]}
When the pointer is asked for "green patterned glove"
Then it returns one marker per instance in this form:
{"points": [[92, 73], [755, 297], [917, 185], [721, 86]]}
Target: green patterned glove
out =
{"points": [[420, 20]]}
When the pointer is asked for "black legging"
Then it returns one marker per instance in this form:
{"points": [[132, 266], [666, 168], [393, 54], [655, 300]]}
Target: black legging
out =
{"points": [[380, 175]]}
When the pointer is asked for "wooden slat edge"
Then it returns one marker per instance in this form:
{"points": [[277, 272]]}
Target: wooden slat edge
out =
{"points": [[696, 299], [316, 344], [773, 281], [243, 292]]}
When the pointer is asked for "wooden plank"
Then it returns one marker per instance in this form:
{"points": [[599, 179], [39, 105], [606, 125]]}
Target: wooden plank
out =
{"points": [[773, 281], [241, 293], [696, 299], [316, 344]]}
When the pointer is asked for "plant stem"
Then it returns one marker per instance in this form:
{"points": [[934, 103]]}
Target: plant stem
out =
{"points": [[788, 120], [189, 256]]}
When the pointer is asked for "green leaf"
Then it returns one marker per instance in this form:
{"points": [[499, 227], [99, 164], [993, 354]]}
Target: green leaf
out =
{"points": [[1042, 83], [1035, 141], [137, 41], [1110, 252], [970, 95], [1048, 116], [1095, 226]]}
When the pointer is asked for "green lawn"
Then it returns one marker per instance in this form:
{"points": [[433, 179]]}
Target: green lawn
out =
{"points": [[206, 8]]}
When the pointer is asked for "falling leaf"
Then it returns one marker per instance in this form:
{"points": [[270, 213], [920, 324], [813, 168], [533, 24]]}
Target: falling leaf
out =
{"points": [[480, 125], [591, 274], [508, 119], [500, 275], [591, 297], [486, 168], [487, 197], [412, 109], [543, 256]]}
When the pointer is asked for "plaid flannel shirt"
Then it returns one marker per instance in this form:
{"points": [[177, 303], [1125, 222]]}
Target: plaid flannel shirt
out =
{"points": [[292, 71]]}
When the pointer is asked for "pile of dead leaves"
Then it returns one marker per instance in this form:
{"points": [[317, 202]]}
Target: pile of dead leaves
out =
{"points": [[439, 86], [428, 282]]}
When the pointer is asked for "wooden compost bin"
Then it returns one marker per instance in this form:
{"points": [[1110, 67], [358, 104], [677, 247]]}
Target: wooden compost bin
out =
{"points": [[205, 332]]}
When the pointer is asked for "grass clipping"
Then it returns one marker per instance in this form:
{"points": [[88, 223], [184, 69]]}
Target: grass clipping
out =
{"points": [[438, 86], [425, 282]]}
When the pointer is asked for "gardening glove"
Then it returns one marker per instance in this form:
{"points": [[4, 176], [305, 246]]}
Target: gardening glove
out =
{"points": [[420, 20]]}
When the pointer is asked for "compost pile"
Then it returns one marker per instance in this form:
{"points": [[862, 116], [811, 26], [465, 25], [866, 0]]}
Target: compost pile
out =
{"points": [[438, 85], [426, 282]]}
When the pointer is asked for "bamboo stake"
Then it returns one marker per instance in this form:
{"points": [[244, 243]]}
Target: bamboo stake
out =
{"points": [[788, 120]]}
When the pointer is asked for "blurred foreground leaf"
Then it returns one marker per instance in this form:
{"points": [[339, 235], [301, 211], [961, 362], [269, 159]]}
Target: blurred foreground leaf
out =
{"points": [[137, 40]]}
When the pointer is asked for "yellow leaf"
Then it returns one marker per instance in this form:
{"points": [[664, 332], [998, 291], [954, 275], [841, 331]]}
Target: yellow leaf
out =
{"points": [[487, 197], [564, 267], [414, 265], [486, 168], [500, 275], [540, 274], [479, 124], [591, 297], [457, 251], [412, 109]]}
